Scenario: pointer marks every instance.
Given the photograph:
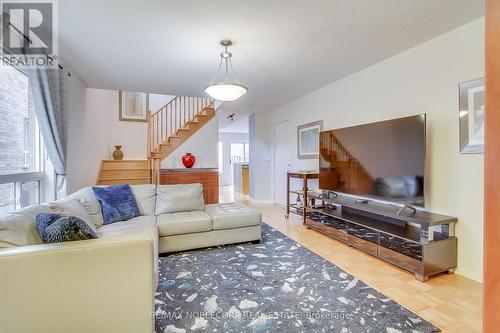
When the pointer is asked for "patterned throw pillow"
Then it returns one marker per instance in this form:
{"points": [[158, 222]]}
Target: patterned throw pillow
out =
{"points": [[55, 228], [117, 203]]}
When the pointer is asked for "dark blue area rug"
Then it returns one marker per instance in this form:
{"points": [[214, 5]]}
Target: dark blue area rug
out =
{"points": [[274, 286]]}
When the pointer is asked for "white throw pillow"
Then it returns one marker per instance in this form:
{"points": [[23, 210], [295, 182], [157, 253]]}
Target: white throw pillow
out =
{"points": [[145, 196], [74, 208], [87, 199], [179, 198], [18, 230]]}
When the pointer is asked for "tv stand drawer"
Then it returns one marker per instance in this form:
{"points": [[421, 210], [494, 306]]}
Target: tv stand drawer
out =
{"points": [[327, 225], [363, 238]]}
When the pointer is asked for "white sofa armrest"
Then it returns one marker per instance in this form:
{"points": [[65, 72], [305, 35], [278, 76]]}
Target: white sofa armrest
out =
{"points": [[92, 286]]}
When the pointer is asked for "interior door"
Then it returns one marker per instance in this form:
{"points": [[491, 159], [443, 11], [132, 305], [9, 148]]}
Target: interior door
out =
{"points": [[281, 160]]}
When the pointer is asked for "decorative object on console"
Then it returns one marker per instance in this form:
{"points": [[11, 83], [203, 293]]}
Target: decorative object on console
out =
{"points": [[194, 283], [118, 153], [471, 108], [117, 203], [298, 202], [133, 106], [188, 160], [55, 228], [308, 140]]}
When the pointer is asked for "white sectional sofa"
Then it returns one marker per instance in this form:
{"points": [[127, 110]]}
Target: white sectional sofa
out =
{"points": [[107, 284]]}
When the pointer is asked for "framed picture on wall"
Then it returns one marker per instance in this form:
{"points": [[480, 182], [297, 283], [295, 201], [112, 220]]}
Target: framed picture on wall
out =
{"points": [[308, 140], [133, 106], [471, 112]]}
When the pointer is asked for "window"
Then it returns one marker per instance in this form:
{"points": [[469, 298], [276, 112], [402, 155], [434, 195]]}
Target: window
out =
{"points": [[240, 152], [21, 152], [237, 152]]}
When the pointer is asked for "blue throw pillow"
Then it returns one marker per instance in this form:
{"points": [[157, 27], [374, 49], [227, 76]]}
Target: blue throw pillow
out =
{"points": [[117, 203], [55, 228]]}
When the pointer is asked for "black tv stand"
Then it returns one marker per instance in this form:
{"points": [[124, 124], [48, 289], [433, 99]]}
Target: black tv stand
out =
{"points": [[420, 242]]}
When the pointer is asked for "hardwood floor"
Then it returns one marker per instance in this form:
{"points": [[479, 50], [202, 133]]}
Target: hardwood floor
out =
{"points": [[451, 302]]}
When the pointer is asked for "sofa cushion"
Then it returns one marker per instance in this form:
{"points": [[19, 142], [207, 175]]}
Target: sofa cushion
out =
{"points": [[55, 228], [145, 196], [138, 226], [179, 198], [18, 230], [183, 223], [87, 199], [233, 215], [117, 203]]}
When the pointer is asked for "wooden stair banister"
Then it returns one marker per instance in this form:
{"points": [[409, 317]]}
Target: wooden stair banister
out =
{"points": [[172, 125]]}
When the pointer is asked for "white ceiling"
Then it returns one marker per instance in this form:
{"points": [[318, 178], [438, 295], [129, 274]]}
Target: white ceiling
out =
{"points": [[284, 48]]}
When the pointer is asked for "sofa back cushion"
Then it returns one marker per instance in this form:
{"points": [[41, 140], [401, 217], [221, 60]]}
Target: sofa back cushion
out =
{"points": [[55, 228], [179, 198], [145, 196], [117, 203], [87, 199]]}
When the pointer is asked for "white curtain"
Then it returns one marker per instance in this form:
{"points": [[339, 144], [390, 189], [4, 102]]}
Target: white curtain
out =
{"points": [[49, 90]]}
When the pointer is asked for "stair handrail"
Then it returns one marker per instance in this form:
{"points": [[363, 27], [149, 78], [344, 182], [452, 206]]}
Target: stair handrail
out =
{"points": [[164, 106], [166, 122]]}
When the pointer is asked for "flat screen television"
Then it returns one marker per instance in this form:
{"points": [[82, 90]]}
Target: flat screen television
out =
{"points": [[383, 160]]}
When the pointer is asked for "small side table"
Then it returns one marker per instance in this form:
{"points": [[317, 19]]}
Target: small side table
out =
{"points": [[305, 176]]}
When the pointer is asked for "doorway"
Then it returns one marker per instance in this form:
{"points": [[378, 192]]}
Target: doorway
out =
{"points": [[234, 158], [281, 161]]}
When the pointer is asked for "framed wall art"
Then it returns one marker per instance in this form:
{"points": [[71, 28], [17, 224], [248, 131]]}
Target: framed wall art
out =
{"points": [[308, 140], [471, 112], [133, 106]]}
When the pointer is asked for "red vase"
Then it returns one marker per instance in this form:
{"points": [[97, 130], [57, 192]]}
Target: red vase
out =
{"points": [[188, 160]]}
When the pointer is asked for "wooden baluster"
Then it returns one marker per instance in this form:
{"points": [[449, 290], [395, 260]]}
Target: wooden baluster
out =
{"points": [[181, 118], [169, 120], [161, 125], [148, 118]]}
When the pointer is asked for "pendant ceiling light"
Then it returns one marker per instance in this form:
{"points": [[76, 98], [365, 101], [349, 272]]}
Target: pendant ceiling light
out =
{"points": [[226, 88]]}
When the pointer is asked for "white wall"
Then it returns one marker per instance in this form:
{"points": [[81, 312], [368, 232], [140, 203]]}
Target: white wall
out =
{"points": [[420, 80], [260, 140], [203, 145]]}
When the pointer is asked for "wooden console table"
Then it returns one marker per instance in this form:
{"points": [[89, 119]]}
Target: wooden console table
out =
{"points": [[208, 177], [305, 176]]}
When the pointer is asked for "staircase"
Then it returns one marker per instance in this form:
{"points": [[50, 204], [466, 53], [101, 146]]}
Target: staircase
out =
{"points": [[124, 172], [342, 170], [172, 125], [168, 128]]}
